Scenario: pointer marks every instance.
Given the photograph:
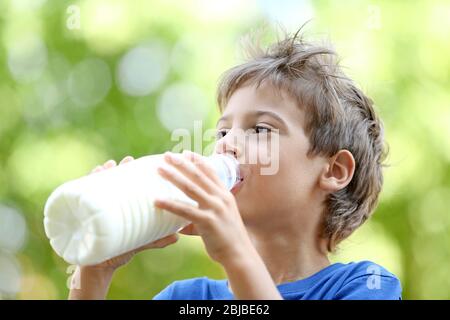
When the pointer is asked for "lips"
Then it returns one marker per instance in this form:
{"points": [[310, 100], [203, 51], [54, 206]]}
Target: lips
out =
{"points": [[243, 176], [237, 186]]}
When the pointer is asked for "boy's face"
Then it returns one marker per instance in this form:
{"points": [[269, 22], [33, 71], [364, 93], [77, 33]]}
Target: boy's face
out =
{"points": [[265, 121]]}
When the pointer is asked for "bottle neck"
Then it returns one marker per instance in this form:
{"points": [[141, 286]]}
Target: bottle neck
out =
{"points": [[226, 167]]}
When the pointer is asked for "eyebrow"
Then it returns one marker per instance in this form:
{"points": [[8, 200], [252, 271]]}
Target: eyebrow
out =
{"points": [[258, 113]]}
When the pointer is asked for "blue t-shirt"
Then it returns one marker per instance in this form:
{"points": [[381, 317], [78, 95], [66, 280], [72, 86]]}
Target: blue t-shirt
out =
{"points": [[355, 281]]}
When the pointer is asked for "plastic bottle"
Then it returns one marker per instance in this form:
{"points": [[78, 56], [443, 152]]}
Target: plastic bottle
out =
{"points": [[102, 215]]}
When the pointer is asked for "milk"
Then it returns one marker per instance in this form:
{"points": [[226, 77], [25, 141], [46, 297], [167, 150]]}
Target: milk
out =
{"points": [[102, 215]]}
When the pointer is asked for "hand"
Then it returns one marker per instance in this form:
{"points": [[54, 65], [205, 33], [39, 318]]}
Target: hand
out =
{"points": [[123, 259], [92, 282], [216, 219]]}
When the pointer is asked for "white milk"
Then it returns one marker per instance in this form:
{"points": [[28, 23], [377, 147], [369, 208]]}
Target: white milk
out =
{"points": [[105, 214]]}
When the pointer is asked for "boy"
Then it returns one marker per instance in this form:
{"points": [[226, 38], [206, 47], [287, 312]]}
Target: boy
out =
{"points": [[272, 233]]}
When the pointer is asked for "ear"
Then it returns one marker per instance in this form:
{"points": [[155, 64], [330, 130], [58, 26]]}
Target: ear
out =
{"points": [[338, 172]]}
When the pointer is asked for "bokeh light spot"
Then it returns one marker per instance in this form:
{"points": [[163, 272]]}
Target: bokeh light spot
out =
{"points": [[89, 82], [143, 69], [13, 229], [27, 58], [180, 105]]}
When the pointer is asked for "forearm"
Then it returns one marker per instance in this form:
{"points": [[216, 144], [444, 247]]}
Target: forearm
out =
{"points": [[90, 283], [249, 278]]}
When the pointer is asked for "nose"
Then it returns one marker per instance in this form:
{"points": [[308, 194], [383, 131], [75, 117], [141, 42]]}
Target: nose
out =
{"points": [[229, 145]]}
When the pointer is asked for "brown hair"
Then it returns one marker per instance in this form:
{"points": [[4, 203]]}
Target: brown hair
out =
{"points": [[338, 116]]}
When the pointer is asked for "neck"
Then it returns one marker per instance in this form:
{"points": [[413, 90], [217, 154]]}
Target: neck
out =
{"points": [[289, 255]]}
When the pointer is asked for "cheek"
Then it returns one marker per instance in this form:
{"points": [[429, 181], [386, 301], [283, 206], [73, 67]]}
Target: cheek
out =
{"points": [[266, 194], [291, 184], [286, 191], [294, 180]]}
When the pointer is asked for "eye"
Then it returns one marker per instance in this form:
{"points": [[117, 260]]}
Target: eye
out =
{"points": [[261, 129], [221, 133]]}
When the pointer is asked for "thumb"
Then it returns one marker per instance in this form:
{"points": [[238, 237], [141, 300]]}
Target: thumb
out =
{"points": [[161, 243], [189, 230]]}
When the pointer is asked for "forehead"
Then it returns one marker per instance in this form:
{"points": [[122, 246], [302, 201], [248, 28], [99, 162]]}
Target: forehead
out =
{"points": [[248, 99]]}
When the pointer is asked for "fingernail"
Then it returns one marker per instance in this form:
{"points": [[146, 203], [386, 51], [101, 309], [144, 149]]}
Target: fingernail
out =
{"points": [[110, 163], [187, 154], [161, 169], [126, 159], [168, 156], [97, 168], [175, 158], [158, 202]]}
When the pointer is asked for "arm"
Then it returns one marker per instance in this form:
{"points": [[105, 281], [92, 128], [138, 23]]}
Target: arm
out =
{"points": [[217, 220], [90, 283], [249, 278]]}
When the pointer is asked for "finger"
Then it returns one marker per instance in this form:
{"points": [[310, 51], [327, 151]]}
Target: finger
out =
{"points": [[180, 208], [189, 230], [187, 168], [191, 189], [204, 167], [161, 243], [126, 159], [109, 164], [165, 241], [97, 169]]}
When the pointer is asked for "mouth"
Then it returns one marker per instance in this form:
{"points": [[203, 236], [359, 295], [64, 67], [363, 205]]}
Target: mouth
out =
{"points": [[238, 185]]}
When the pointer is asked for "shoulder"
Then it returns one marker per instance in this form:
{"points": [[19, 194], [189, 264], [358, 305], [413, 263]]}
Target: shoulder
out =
{"points": [[366, 268], [187, 289], [368, 280]]}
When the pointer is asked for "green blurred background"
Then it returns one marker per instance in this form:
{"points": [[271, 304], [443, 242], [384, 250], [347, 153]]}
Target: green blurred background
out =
{"points": [[82, 82]]}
